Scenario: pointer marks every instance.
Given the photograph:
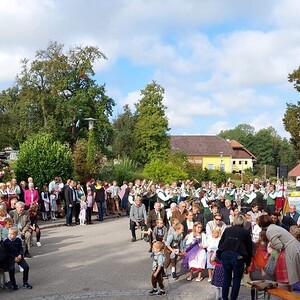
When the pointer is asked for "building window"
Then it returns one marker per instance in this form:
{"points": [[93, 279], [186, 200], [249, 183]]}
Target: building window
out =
{"points": [[233, 162], [222, 167], [211, 167], [240, 162], [246, 162]]}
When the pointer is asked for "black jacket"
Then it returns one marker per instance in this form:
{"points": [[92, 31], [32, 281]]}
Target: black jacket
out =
{"points": [[237, 239]]}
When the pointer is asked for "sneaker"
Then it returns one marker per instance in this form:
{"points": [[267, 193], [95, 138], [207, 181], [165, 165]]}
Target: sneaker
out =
{"points": [[161, 293], [39, 244], [11, 286], [26, 285], [153, 292], [174, 276], [133, 239], [21, 269]]}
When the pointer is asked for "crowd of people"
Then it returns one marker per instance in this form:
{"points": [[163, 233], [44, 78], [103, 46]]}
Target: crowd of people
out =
{"points": [[225, 230]]}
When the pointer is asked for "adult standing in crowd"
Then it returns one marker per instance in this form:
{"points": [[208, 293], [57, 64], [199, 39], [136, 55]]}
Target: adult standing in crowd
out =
{"points": [[281, 239], [99, 197], [70, 198], [31, 196], [235, 251]]}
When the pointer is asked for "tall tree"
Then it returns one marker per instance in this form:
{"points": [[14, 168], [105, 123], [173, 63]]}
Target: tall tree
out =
{"points": [[243, 133], [151, 128], [123, 134], [55, 92], [291, 119]]}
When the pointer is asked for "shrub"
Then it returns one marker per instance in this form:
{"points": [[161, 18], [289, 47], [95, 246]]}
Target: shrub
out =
{"points": [[43, 158]]}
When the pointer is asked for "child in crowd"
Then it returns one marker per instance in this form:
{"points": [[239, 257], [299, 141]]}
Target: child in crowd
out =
{"points": [[195, 256], [53, 203], [8, 222], [218, 274], [212, 246], [159, 232], [174, 222], [34, 227], [158, 260], [45, 203], [13, 246], [89, 208], [173, 249], [260, 259], [82, 214]]}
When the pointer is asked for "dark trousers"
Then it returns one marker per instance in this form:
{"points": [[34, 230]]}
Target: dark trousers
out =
{"points": [[233, 264], [100, 206], [89, 215], [69, 215], [158, 280], [77, 211], [133, 225], [11, 270]]}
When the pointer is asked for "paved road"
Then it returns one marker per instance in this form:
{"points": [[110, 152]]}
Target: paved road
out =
{"points": [[98, 261]]}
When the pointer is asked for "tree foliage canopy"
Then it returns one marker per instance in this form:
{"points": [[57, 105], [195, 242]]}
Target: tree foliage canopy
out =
{"points": [[151, 138], [54, 92], [43, 158]]}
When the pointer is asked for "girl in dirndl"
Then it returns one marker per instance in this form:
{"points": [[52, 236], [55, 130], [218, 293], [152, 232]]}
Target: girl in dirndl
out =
{"points": [[195, 256]]}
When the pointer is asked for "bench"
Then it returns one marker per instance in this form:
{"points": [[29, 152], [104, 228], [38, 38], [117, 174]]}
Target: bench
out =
{"points": [[270, 288], [283, 294]]}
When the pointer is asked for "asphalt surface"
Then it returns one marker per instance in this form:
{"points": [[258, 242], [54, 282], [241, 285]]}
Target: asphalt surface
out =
{"points": [[98, 261]]}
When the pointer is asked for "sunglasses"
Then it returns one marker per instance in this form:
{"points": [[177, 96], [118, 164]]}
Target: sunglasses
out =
{"points": [[218, 219]]}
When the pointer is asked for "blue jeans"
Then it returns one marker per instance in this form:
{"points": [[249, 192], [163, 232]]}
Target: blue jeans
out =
{"points": [[233, 264], [100, 206]]}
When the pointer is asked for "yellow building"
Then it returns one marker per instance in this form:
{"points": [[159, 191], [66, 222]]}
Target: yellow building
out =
{"points": [[210, 151]]}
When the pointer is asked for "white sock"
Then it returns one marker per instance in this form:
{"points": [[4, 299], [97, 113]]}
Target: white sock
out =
{"points": [[173, 269]]}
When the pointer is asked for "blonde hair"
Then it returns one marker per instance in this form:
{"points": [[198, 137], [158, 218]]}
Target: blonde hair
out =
{"points": [[158, 245], [178, 226], [239, 220], [13, 230]]}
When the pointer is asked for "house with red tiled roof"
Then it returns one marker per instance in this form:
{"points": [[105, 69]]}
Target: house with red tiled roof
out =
{"points": [[210, 151], [242, 159], [213, 152]]}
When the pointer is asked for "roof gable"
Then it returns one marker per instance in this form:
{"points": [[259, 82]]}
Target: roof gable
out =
{"points": [[240, 151], [201, 145]]}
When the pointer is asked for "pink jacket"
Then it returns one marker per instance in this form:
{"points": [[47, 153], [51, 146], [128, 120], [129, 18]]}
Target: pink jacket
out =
{"points": [[31, 196]]}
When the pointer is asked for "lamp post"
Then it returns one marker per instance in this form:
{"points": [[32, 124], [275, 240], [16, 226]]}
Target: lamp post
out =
{"points": [[91, 122], [91, 151], [221, 161]]}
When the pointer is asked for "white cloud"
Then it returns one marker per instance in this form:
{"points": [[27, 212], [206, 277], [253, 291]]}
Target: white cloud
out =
{"points": [[217, 127]]}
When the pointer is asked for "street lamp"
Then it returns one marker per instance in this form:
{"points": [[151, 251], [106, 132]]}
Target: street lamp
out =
{"points": [[221, 161], [91, 122]]}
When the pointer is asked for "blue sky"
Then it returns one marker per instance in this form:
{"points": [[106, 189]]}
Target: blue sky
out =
{"points": [[221, 62]]}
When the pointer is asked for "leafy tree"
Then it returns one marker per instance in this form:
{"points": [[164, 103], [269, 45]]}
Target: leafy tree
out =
{"points": [[243, 133], [55, 92], [123, 132], [83, 169], [163, 170], [291, 119], [287, 154], [43, 158], [150, 133]]}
